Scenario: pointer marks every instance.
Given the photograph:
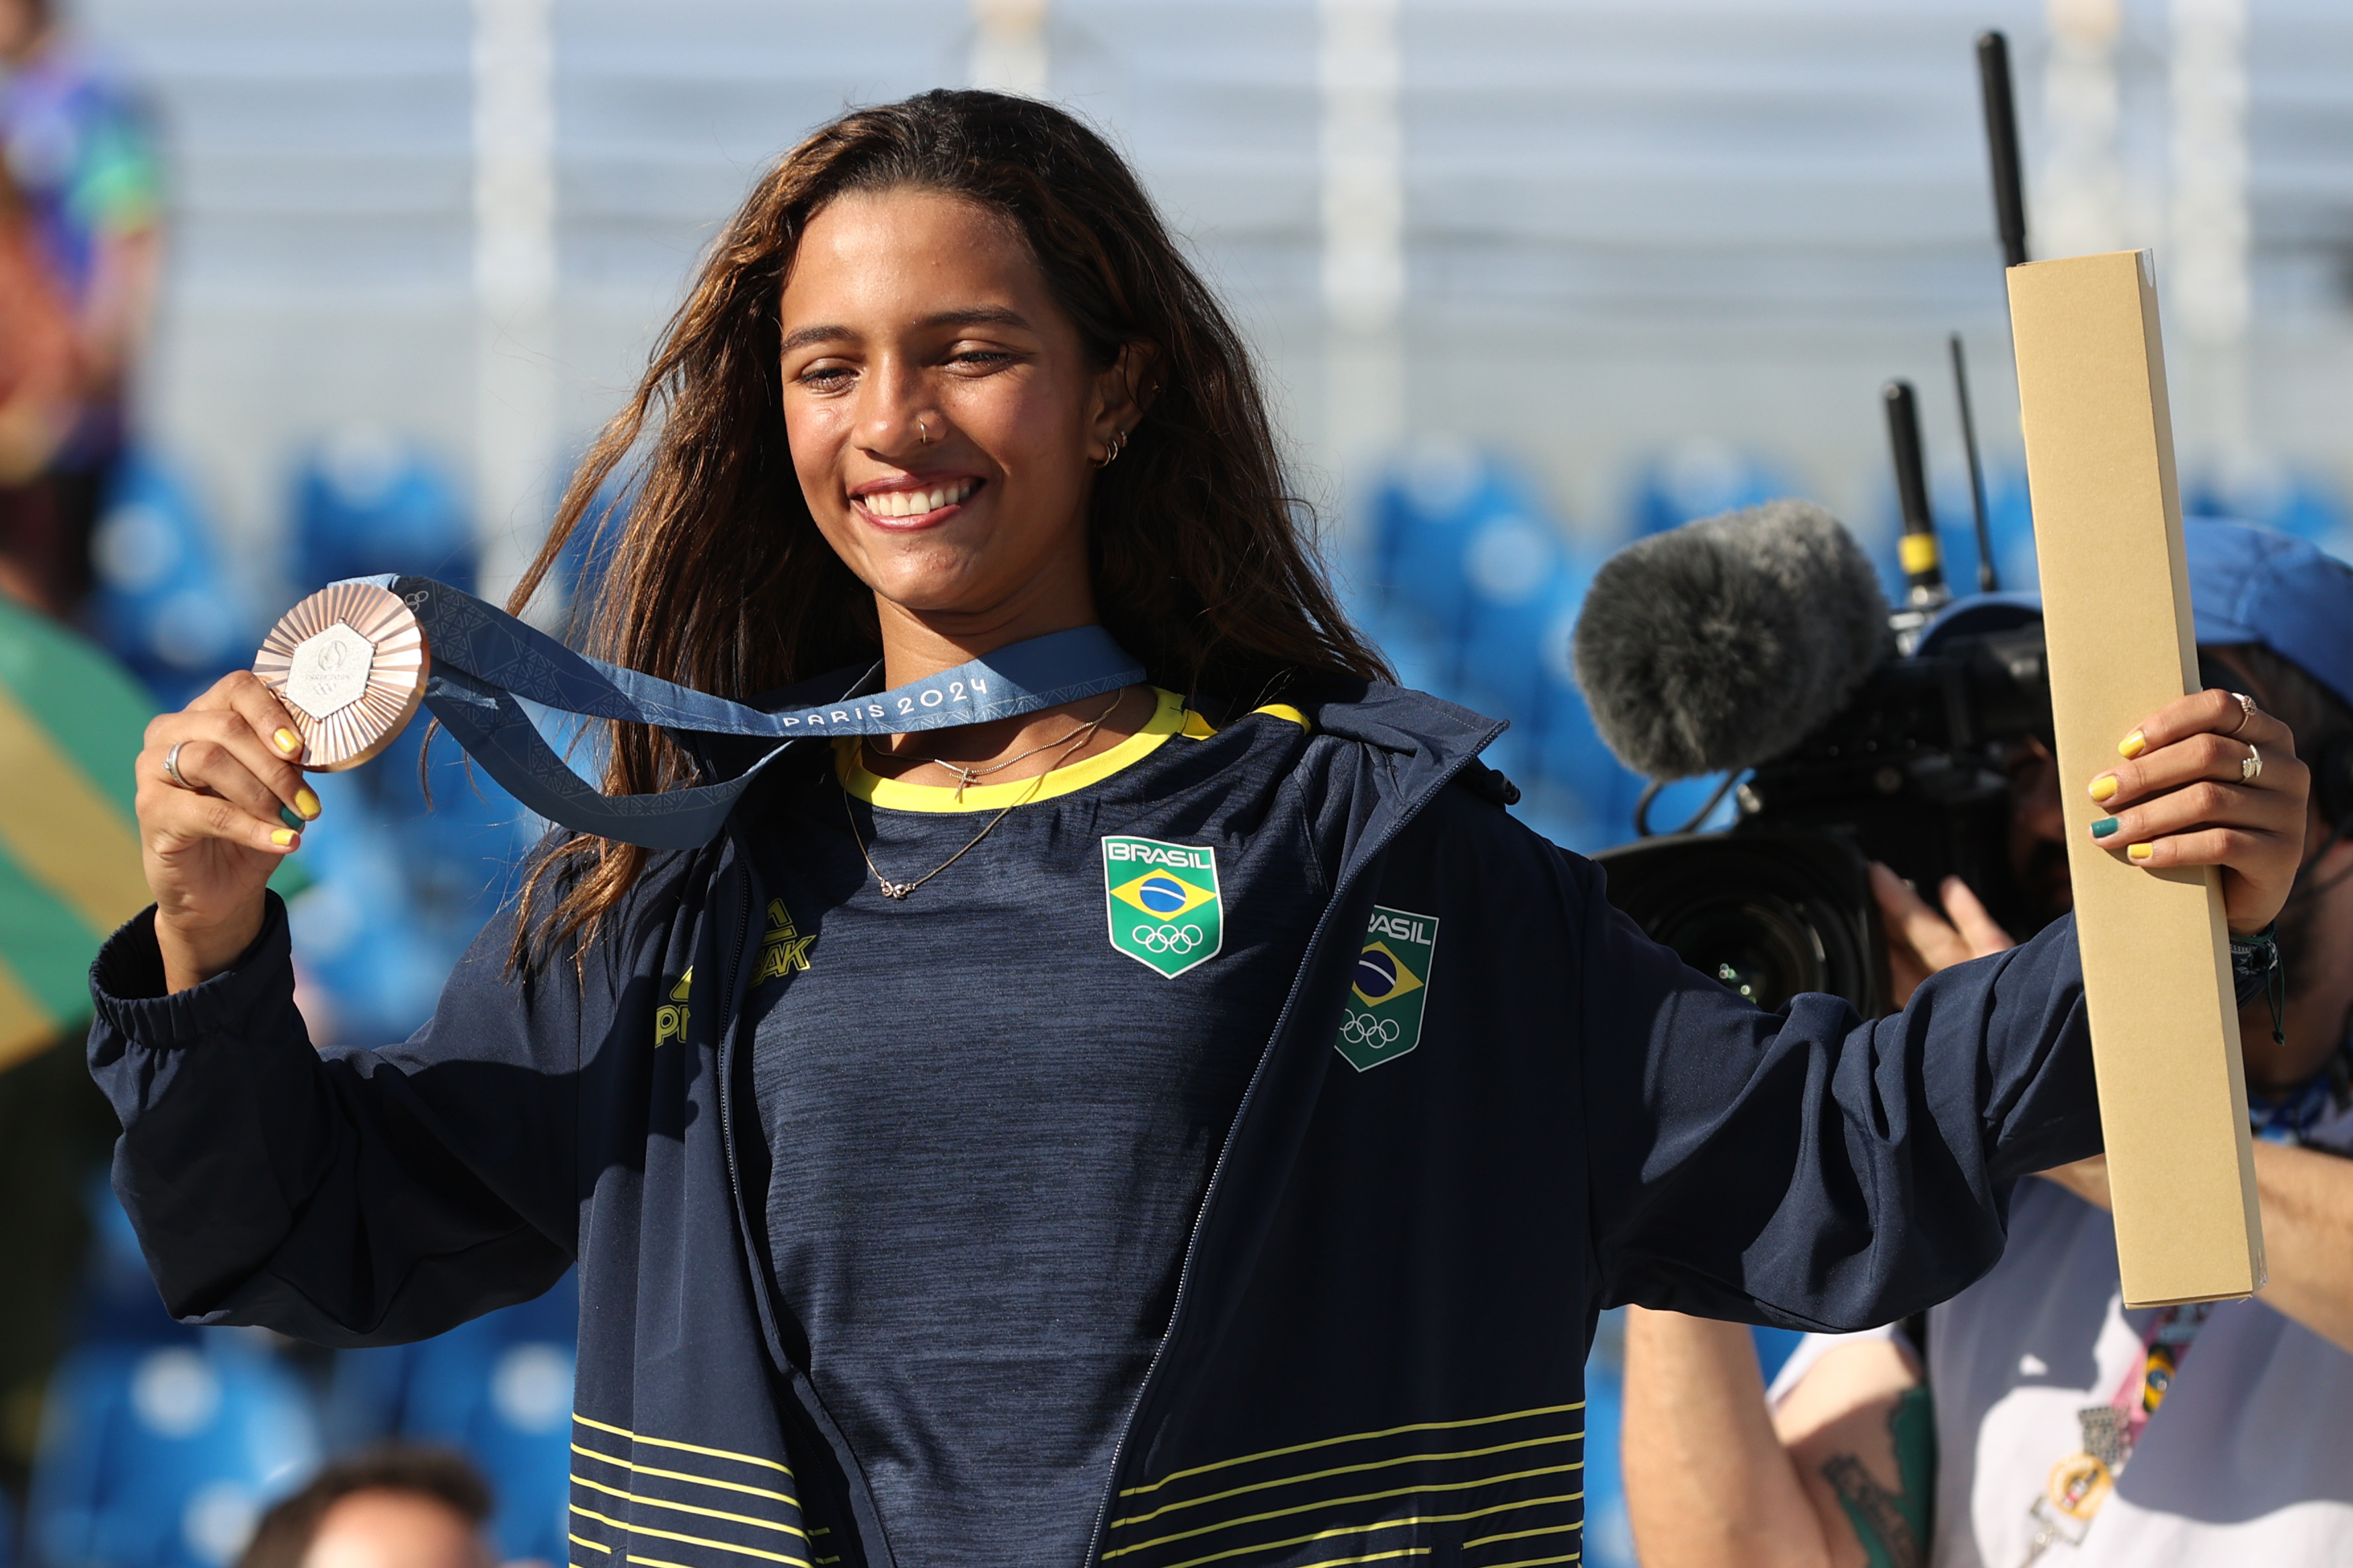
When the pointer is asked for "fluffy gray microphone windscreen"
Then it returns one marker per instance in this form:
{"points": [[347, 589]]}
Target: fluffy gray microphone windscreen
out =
{"points": [[1725, 642]]}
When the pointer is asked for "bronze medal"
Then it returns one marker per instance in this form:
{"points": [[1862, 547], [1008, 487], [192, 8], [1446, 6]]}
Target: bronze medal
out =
{"points": [[350, 663]]}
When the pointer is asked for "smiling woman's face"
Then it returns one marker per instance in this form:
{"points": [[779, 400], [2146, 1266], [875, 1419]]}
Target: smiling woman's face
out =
{"points": [[944, 416]]}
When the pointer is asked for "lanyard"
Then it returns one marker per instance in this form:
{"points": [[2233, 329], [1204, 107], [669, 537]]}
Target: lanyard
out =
{"points": [[486, 664], [2081, 1482]]}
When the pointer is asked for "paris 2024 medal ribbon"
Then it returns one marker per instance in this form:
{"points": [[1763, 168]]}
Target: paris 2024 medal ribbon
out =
{"points": [[350, 663]]}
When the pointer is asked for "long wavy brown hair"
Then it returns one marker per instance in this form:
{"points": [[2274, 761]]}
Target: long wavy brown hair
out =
{"points": [[718, 577]]}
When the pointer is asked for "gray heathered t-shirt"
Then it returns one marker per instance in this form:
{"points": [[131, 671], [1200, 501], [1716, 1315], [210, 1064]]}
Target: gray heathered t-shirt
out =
{"points": [[991, 1108]]}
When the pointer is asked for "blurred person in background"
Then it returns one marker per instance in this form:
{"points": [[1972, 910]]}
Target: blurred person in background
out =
{"points": [[40, 390], [388, 1508], [2029, 1429], [1089, 1191], [81, 153], [70, 718]]}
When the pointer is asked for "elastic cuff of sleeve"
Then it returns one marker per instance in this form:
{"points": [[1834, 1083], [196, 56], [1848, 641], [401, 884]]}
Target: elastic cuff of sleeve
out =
{"points": [[126, 981]]}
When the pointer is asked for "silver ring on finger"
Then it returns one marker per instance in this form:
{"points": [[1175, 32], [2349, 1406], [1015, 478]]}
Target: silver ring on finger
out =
{"points": [[2251, 767], [172, 767], [2246, 711]]}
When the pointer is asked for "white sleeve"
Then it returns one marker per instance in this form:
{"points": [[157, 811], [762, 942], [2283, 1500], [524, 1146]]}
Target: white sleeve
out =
{"points": [[1811, 1349]]}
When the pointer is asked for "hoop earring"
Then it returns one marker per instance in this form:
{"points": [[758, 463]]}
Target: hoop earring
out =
{"points": [[1112, 448]]}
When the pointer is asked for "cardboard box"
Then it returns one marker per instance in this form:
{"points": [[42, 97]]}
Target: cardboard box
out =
{"points": [[2115, 598]]}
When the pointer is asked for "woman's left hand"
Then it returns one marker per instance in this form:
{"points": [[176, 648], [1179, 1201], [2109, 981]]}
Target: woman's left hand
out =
{"points": [[2185, 796]]}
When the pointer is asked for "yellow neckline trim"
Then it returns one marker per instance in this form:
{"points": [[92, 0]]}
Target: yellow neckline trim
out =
{"points": [[895, 795], [1285, 710]]}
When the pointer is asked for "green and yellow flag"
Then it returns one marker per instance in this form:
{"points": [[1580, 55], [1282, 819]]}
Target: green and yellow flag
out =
{"points": [[71, 722]]}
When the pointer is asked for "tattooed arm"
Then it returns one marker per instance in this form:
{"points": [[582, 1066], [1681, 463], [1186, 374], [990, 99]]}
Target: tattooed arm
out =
{"points": [[1839, 1476]]}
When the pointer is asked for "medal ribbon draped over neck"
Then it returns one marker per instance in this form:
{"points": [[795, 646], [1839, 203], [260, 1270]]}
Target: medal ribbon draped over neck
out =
{"points": [[486, 664]]}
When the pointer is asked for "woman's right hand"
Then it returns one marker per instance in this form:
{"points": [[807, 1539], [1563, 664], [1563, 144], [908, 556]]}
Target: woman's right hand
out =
{"points": [[211, 841]]}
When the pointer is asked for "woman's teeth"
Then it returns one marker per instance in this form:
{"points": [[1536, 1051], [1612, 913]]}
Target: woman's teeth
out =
{"points": [[915, 503]]}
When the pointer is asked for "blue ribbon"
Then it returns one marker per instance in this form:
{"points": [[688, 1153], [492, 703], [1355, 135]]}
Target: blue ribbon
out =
{"points": [[486, 664]]}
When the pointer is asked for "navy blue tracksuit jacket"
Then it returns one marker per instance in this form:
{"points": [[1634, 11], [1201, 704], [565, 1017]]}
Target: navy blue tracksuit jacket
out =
{"points": [[1377, 1345]]}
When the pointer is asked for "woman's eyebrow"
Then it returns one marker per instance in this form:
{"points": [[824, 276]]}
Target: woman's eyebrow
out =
{"points": [[970, 316], [978, 316], [801, 338]]}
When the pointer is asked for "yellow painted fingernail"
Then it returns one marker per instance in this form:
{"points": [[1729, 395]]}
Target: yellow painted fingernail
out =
{"points": [[284, 838], [2141, 851], [308, 804], [2133, 746], [288, 741], [2103, 788]]}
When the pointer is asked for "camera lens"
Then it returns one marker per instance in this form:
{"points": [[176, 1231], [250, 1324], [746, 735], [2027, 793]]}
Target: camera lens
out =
{"points": [[1763, 947], [1768, 915]]}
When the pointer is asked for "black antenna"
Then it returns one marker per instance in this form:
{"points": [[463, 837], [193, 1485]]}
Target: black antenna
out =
{"points": [[1924, 566], [2001, 143], [1988, 579]]}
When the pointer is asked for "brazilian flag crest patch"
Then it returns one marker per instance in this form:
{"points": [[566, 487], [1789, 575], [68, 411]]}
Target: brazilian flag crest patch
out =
{"points": [[1162, 902], [1382, 1020]]}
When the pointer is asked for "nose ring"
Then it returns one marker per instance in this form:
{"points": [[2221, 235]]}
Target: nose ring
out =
{"points": [[922, 434]]}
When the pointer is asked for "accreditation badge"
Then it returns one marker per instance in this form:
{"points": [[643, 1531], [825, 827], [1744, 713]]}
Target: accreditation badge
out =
{"points": [[1382, 1020], [1162, 903]]}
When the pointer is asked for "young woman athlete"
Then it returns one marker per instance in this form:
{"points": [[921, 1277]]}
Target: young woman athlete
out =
{"points": [[1196, 1125]]}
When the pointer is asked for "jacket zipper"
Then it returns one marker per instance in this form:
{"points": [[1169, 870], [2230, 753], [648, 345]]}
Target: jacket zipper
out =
{"points": [[757, 1265], [719, 1052], [1340, 891]]}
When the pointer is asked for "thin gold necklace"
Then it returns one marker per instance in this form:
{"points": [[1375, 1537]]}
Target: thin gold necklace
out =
{"points": [[966, 778], [1069, 743]]}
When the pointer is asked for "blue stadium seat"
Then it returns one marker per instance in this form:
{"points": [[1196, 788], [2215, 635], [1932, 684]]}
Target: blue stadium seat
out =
{"points": [[500, 1389], [118, 1303], [162, 1456], [357, 930], [1514, 566], [1699, 478], [1598, 791], [166, 603], [366, 501], [1427, 512], [2272, 495], [399, 889]]}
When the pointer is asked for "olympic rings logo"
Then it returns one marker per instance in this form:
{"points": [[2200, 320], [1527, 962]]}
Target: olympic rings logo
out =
{"points": [[1364, 1029], [1177, 940]]}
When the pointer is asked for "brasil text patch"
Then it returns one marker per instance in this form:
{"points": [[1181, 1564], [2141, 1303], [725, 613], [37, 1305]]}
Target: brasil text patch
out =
{"points": [[1382, 1020], [1162, 902]]}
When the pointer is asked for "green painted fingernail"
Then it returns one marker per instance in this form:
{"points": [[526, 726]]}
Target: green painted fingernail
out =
{"points": [[286, 814], [2103, 828]]}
